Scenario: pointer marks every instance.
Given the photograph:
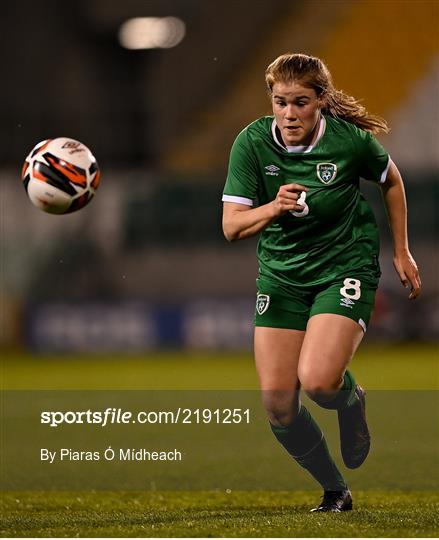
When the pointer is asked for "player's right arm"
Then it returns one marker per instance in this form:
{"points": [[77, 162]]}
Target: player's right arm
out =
{"points": [[242, 221]]}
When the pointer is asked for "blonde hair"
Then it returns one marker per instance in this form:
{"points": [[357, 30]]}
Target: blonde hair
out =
{"points": [[313, 73]]}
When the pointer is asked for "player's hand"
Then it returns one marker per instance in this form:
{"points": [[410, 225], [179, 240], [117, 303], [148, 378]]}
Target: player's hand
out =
{"points": [[287, 197], [408, 273]]}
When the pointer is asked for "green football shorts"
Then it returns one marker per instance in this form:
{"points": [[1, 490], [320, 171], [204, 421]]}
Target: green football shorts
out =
{"points": [[282, 306]]}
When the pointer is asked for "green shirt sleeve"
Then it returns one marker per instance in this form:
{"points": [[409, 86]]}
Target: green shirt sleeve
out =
{"points": [[374, 159], [242, 177]]}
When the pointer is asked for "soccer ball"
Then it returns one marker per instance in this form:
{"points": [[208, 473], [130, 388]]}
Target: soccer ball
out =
{"points": [[60, 175]]}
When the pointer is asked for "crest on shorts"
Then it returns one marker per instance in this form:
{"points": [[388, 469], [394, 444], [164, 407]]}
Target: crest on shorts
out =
{"points": [[326, 172], [262, 303]]}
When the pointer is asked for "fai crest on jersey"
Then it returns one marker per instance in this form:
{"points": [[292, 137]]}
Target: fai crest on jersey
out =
{"points": [[326, 172], [262, 303]]}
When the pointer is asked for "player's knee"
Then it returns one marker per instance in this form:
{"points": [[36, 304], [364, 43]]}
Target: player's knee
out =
{"points": [[281, 407], [320, 387]]}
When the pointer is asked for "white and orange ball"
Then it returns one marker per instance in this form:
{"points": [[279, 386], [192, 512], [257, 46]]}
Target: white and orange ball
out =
{"points": [[60, 175]]}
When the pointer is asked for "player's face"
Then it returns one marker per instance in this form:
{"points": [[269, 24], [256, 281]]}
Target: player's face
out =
{"points": [[296, 109]]}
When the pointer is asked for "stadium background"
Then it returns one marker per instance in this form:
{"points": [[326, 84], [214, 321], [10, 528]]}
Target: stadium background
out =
{"points": [[140, 290], [145, 266]]}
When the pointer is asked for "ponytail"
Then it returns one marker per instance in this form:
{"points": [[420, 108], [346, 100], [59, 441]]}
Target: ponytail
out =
{"points": [[341, 105]]}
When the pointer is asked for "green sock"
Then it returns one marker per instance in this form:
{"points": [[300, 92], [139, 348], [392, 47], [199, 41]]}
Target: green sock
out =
{"points": [[304, 440], [345, 397]]}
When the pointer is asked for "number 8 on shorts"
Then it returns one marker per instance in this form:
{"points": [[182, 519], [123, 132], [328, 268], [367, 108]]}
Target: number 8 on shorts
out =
{"points": [[350, 284]]}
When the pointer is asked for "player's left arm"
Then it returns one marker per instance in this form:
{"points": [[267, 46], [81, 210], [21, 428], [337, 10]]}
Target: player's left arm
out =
{"points": [[396, 205]]}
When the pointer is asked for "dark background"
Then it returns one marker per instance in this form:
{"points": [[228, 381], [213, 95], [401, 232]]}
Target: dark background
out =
{"points": [[147, 256]]}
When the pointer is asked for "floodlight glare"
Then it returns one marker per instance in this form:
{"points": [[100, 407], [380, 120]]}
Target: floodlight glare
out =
{"points": [[151, 33]]}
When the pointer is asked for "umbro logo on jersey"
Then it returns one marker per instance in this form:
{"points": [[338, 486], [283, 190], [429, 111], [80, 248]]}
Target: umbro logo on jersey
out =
{"points": [[326, 172], [272, 170], [346, 302], [262, 303]]}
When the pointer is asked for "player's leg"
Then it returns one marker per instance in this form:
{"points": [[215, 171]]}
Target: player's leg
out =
{"points": [[339, 316], [330, 343], [277, 352], [280, 320]]}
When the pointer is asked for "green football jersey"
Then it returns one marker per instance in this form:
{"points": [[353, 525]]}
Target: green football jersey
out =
{"points": [[336, 233]]}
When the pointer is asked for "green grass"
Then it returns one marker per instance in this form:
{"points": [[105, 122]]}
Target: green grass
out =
{"points": [[377, 367], [216, 514], [392, 510]]}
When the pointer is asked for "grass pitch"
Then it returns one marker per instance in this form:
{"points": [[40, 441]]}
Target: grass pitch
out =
{"points": [[377, 367], [377, 513], [214, 514]]}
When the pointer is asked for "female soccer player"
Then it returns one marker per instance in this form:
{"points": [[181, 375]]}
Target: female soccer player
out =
{"points": [[294, 178]]}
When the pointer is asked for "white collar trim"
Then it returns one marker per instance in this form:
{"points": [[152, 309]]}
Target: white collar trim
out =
{"points": [[300, 149]]}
